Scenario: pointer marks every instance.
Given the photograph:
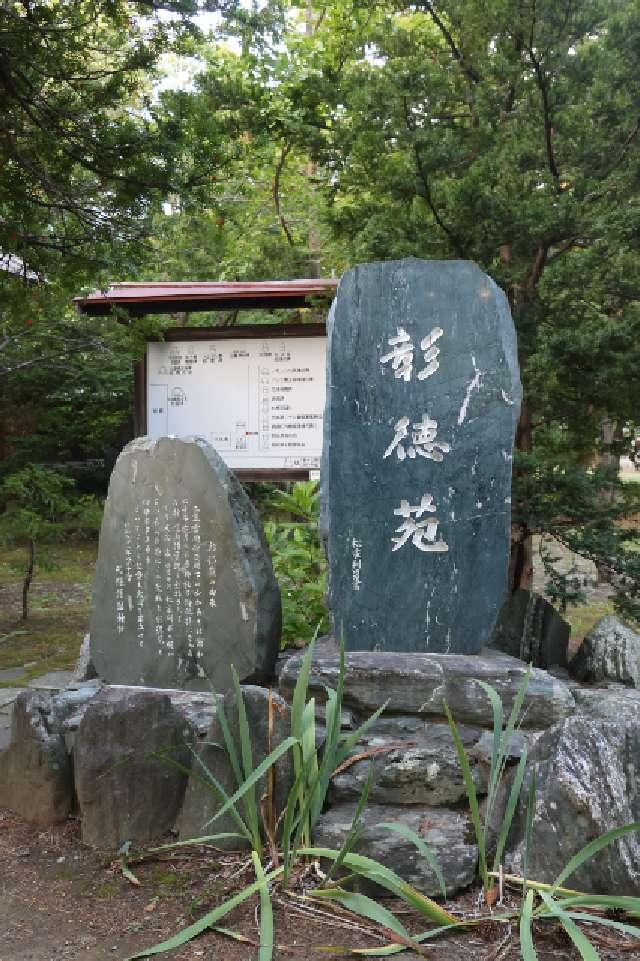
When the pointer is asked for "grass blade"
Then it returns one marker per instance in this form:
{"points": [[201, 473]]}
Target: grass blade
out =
{"points": [[354, 831], [583, 944], [510, 809], [208, 921], [349, 741], [206, 839], [591, 849], [265, 952], [386, 878], [229, 743], [422, 847], [389, 949], [497, 748], [526, 935], [471, 795], [365, 907], [629, 904], [606, 922], [251, 810], [255, 776]]}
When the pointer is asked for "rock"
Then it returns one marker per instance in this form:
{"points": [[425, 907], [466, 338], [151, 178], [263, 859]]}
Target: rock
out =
{"points": [[420, 683], [127, 788], [444, 831], [184, 585], [482, 751], [197, 707], [423, 396], [8, 697], [586, 784], [529, 627], [408, 773], [35, 774], [610, 703], [201, 803], [52, 682], [84, 669], [609, 652]]}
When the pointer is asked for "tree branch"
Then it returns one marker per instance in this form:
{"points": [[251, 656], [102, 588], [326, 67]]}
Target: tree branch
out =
{"points": [[470, 72], [426, 188], [286, 149], [546, 113]]}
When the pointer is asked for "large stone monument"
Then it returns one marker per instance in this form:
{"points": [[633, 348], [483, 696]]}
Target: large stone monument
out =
{"points": [[184, 586], [423, 397]]}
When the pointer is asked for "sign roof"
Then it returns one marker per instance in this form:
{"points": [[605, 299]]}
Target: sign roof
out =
{"points": [[157, 298]]}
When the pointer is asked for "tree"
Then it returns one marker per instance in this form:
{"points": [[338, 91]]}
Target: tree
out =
{"points": [[85, 158], [507, 133], [39, 505], [82, 142], [255, 207]]}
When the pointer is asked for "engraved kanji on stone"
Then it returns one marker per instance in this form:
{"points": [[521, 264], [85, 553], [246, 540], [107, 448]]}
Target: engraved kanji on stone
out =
{"points": [[421, 441], [422, 533], [430, 353], [401, 355]]}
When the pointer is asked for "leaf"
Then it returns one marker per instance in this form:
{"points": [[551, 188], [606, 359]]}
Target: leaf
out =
{"points": [[257, 774], [606, 922], [591, 849], [129, 875], [363, 906], [623, 903], [266, 912], [251, 809], [510, 809], [581, 941], [206, 839], [390, 949], [526, 936], [422, 847], [471, 795], [208, 921], [388, 879], [353, 833]]}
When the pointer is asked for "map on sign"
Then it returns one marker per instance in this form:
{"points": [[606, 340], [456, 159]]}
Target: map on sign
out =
{"points": [[260, 403]]}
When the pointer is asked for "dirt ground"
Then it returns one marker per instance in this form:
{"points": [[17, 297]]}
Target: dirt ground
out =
{"points": [[61, 901]]}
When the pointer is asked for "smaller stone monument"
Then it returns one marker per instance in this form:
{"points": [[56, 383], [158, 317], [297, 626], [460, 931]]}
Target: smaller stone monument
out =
{"points": [[184, 585]]}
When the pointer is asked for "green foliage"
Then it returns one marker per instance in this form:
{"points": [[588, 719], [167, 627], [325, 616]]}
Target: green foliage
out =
{"points": [[313, 767], [40, 505], [298, 559], [587, 510], [499, 754]]}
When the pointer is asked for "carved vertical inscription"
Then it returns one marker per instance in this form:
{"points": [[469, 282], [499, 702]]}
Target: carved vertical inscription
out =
{"points": [[159, 579]]}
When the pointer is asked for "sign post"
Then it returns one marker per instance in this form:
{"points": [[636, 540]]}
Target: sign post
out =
{"points": [[256, 393]]}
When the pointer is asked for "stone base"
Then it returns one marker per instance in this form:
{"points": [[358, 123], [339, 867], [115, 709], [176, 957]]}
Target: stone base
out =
{"points": [[584, 742]]}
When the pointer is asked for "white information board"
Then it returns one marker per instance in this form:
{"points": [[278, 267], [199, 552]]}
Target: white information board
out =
{"points": [[260, 403]]}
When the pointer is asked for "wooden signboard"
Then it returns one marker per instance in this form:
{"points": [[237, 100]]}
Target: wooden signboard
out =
{"points": [[256, 393]]}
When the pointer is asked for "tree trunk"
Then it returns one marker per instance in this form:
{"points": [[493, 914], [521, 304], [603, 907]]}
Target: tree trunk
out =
{"points": [[28, 578]]}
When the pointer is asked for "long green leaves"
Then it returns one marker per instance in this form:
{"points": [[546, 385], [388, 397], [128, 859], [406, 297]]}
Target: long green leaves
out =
{"points": [[266, 912], [499, 757], [581, 941], [386, 878], [208, 921], [422, 847], [472, 797], [591, 849], [526, 934]]}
